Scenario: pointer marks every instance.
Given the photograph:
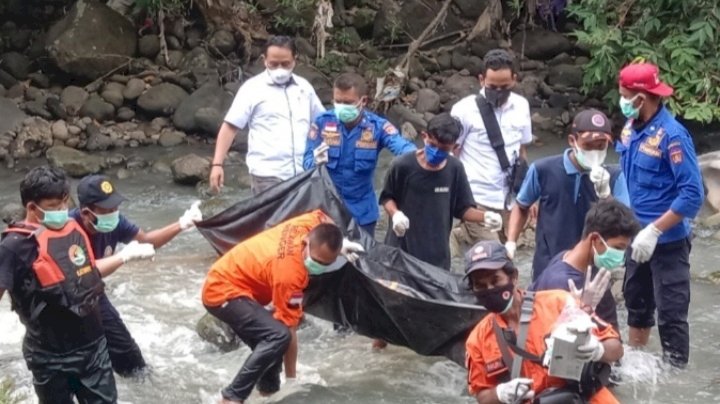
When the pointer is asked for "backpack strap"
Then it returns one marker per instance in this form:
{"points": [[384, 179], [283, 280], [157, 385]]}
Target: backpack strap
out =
{"points": [[493, 130]]}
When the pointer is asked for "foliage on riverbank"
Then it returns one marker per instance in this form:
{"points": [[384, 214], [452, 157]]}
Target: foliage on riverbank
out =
{"points": [[681, 37]]}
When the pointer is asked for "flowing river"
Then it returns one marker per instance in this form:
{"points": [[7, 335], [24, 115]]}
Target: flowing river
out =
{"points": [[160, 303]]}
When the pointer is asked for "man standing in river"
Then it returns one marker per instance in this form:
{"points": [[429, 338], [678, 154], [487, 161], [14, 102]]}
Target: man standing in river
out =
{"points": [[487, 176], [666, 192], [278, 107], [99, 215], [271, 267]]}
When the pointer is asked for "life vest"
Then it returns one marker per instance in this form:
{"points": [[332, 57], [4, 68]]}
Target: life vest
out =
{"points": [[64, 269]]}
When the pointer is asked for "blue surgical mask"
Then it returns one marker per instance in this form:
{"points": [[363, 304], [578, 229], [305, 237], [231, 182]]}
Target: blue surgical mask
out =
{"points": [[628, 109], [313, 267], [611, 259], [107, 222], [54, 219], [346, 112], [434, 156]]}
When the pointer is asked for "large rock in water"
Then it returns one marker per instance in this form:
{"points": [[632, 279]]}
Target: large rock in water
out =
{"points": [[190, 169], [75, 163], [710, 168], [162, 99], [32, 139], [214, 331], [210, 96], [91, 40]]}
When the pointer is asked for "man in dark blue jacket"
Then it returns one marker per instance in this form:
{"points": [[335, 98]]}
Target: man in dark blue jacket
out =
{"points": [[658, 158]]}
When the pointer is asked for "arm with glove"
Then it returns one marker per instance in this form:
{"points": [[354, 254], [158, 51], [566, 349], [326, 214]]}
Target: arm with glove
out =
{"points": [[160, 237], [132, 252]]}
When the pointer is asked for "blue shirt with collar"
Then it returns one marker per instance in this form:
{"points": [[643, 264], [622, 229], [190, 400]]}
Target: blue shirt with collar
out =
{"points": [[530, 190], [661, 168], [352, 157], [565, 195]]}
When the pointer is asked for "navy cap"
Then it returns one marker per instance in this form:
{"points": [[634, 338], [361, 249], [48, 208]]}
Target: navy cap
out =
{"points": [[99, 191], [486, 255], [591, 120]]}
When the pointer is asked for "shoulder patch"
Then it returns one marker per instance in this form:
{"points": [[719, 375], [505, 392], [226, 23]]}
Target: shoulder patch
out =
{"points": [[390, 129], [313, 132], [676, 153]]}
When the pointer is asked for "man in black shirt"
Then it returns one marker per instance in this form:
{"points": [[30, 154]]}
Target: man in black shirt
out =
{"points": [[49, 270], [428, 188], [609, 228]]}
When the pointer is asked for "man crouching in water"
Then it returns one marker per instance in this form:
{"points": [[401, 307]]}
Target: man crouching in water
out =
{"points": [[493, 279], [271, 267]]}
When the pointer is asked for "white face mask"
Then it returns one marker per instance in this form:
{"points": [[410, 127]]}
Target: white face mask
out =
{"points": [[280, 75], [590, 158]]}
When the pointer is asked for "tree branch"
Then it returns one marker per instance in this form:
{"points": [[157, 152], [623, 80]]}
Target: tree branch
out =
{"points": [[415, 44]]}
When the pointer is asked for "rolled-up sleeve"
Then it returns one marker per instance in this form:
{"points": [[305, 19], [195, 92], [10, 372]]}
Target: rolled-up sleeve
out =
{"points": [[242, 108], [530, 188], [688, 180]]}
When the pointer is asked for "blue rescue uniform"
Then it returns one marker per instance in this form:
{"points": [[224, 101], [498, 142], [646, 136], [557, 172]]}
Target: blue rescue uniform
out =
{"points": [[352, 158], [566, 194], [662, 172]]}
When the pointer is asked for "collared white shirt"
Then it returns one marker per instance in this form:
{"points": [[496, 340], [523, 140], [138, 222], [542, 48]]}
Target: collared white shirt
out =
{"points": [[279, 119], [487, 179]]}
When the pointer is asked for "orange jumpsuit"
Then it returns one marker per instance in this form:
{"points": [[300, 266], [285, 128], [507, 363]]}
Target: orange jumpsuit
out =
{"points": [[267, 268], [484, 359]]}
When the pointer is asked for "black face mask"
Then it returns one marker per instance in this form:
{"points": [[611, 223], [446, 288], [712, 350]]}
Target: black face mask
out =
{"points": [[497, 97], [496, 300]]}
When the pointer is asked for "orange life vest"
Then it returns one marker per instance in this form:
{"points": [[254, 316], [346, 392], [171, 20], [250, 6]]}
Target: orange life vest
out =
{"points": [[65, 267]]}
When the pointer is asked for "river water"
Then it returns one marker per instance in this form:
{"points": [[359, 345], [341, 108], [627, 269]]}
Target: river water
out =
{"points": [[160, 303]]}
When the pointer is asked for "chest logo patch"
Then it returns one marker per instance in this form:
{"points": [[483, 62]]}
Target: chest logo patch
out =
{"points": [[651, 146], [442, 190], [367, 139], [330, 134], [77, 255]]}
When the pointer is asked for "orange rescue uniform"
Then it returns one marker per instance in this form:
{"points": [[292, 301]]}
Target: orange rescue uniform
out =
{"points": [[484, 359], [267, 268]]}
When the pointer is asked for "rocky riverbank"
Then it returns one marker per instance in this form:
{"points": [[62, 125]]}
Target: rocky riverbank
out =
{"points": [[81, 76]]}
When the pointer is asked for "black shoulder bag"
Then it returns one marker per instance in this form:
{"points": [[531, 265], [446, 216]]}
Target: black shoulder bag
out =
{"points": [[515, 173]]}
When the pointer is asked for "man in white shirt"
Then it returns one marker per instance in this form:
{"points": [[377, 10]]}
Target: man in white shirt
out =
{"points": [[279, 108], [487, 179]]}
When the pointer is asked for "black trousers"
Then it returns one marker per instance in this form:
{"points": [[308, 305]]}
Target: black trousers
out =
{"points": [[84, 373], [663, 283], [269, 340], [125, 355]]}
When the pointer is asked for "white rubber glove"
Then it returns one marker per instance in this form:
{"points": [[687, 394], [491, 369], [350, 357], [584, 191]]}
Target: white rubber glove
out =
{"points": [[350, 250], [321, 154], [493, 221], [400, 223], [136, 251], [514, 390], [192, 215], [592, 351], [593, 290], [644, 244], [600, 178], [511, 247]]}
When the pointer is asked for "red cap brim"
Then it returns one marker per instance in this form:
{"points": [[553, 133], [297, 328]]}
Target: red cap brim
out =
{"points": [[662, 90]]}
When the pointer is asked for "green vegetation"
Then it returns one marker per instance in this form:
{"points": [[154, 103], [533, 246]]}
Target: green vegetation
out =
{"points": [[167, 5], [294, 16], [681, 37], [7, 393], [331, 64]]}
